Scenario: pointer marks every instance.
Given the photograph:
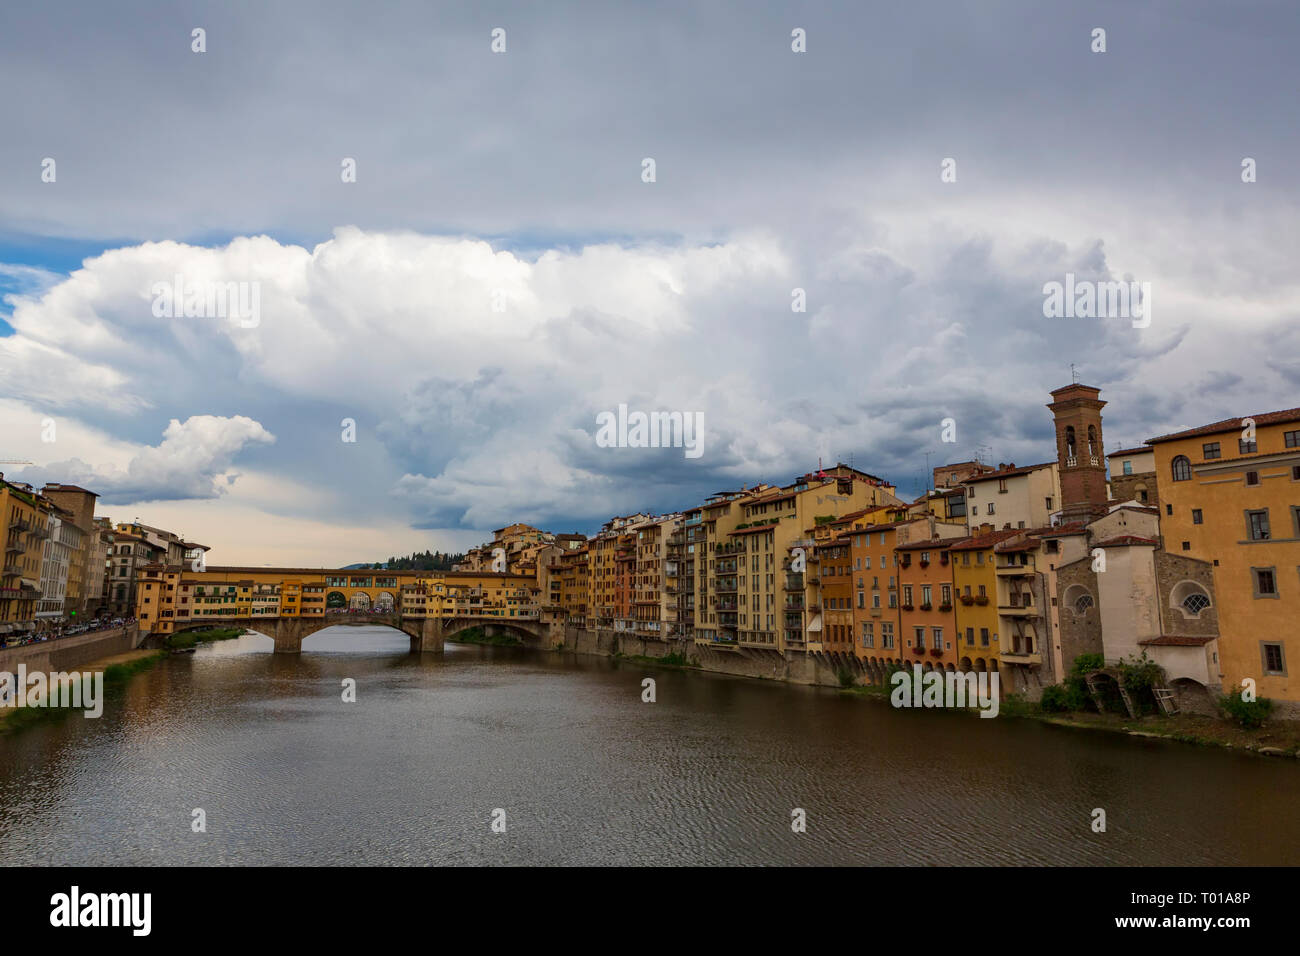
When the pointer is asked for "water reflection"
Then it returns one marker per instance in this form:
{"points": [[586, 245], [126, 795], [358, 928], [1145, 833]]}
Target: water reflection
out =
{"points": [[288, 773]]}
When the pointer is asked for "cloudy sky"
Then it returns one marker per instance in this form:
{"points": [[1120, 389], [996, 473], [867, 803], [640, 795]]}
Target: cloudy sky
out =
{"points": [[500, 272]]}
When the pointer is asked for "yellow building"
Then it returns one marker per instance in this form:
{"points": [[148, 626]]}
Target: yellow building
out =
{"points": [[171, 598], [24, 517], [1230, 494], [975, 586]]}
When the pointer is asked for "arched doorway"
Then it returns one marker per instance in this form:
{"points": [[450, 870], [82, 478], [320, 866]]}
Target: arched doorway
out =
{"points": [[360, 602]]}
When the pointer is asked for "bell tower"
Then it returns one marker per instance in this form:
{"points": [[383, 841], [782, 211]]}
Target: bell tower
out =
{"points": [[1076, 410]]}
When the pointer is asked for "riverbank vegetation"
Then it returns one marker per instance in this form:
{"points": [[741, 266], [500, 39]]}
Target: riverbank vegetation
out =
{"points": [[116, 675], [191, 638], [1241, 723]]}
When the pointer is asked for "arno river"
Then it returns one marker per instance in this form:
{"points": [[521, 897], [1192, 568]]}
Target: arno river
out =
{"points": [[287, 773]]}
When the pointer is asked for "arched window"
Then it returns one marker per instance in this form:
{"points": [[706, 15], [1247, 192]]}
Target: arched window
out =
{"points": [[1078, 599], [1190, 598], [1182, 468], [1092, 441], [1069, 441]]}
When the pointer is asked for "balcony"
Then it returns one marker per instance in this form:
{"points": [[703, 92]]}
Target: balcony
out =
{"points": [[1020, 655], [1014, 570], [726, 586], [39, 533], [794, 581], [728, 605], [735, 547], [20, 525], [12, 570], [1017, 609]]}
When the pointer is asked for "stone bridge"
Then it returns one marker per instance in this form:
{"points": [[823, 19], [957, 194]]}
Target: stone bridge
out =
{"points": [[427, 634]]}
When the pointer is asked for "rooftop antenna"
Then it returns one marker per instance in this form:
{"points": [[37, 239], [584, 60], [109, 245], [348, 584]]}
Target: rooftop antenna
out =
{"points": [[1074, 375]]}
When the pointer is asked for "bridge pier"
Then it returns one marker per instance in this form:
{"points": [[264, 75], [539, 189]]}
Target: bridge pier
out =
{"points": [[288, 635], [427, 638]]}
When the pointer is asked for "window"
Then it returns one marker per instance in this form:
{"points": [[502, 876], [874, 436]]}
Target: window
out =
{"points": [[1197, 517], [990, 507], [1257, 525], [1292, 439], [1274, 658], [868, 635], [1128, 467], [984, 637], [1265, 582], [936, 638], [1053, 546], [1181, 468], [1195, 603], [1049, 504], [919, 636], [1210, 450], [1247, 447], [1252, 477], [887, 634]]}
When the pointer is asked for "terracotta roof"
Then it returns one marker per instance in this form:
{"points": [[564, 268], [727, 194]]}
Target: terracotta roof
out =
{"points": [[1026, 545], [1007, 472], [1124, 540], [765, 527], [1179, 640], [1232, 425], [1060, 531], [980, 542], [933, 544], [1129, 451]]}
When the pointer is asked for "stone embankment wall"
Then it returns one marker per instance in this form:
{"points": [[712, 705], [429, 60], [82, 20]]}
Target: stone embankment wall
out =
{"points": [[69, 653], [740, 661]]}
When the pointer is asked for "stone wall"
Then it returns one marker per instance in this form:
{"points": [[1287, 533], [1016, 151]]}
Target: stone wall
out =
{"points": [[68, 653], [1126, 487], [739, 661], [1078, 635]]}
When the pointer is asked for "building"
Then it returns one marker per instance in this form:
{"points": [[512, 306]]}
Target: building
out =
{"points": [[24, 516], [1133, 476], [60, 569], [1011, 498], [927, 622], [1230, 498], [86, 564], [975, 587]]}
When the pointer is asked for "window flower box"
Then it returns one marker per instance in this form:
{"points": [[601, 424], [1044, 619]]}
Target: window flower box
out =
{"points": [[907, 607], [919, 651], [945, 608], [926, 607], [936, 652], [982, 600], [967, 600], [925, 564]]}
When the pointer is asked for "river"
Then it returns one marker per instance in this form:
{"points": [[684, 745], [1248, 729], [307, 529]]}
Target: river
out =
{"points": [[286, 772]]}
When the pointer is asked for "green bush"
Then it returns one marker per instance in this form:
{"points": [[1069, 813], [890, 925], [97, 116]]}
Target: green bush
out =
{"points": [[845, 677], [1248, 713], [1056, 699], [1140, 677]]}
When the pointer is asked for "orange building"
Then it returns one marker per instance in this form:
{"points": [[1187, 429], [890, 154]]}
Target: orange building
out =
{"points": [[927, 618]]}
